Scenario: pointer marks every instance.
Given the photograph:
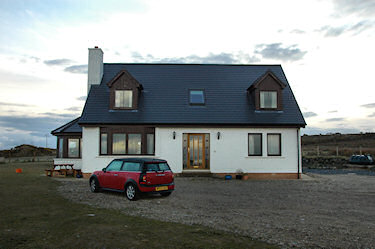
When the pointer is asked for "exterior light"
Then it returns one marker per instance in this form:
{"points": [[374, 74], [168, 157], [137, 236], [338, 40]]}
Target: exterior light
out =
{"points": [[218, 135], [174, 135]]}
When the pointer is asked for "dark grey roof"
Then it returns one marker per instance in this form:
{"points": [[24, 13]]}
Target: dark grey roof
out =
{"points": [[71, 127], [164, 98]]}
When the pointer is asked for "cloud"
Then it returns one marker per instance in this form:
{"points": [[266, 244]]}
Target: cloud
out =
{"points": [[297, 31], [81, 69], [309, 114], [370, 105], [58, 62], [371, 115], [354, 29], [73, 108], [359, 8], [82, 98], [276, 51], [30, 130], [335, 119], [211, 58], [15, 104], [334, 111]]}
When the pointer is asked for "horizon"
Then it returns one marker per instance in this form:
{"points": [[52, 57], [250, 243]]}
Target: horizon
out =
{"points": [[324, 47]]}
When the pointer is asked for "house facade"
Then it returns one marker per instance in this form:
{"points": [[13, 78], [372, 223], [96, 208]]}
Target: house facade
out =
{"points": [[219, 119]]}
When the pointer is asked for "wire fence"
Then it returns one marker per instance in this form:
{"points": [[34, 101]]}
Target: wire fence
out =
{"points": [[338, 151]]}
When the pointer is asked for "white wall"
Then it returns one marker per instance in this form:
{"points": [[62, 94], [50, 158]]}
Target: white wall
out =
{"points": [[227, 155], [230, 152]]}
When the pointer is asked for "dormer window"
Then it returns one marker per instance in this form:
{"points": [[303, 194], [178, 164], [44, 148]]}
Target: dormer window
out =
{"points": [[196, 97], [266, 92], [125, 92], [268, 99], [123, 98]]}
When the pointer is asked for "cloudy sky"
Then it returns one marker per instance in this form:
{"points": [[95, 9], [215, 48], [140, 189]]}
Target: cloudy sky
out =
{"points": [[326, 49]]}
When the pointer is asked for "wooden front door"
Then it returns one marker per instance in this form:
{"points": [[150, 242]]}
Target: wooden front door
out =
{"points": [[196, 155]]}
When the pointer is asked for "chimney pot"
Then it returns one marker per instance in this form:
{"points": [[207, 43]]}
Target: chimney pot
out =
{"points": [[96, 47]]}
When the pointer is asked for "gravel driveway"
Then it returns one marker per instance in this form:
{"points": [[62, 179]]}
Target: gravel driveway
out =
{"points": [[322, 211]]}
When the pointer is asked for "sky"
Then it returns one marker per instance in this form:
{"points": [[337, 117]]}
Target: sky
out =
{"points": [[326, 49]]}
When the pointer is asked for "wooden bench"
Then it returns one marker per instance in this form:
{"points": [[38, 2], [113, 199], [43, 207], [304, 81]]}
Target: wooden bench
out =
{"points": [[65, 169]]}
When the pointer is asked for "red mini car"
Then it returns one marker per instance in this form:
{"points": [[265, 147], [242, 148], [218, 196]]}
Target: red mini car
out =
{"points": [[133, 176]]}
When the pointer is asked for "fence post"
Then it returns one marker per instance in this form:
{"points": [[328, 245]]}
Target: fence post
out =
{"points": [[360, 150], [337, 151], [317, 150]]}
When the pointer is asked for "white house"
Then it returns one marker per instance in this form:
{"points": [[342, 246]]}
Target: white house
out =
{"points": [[219, 119]]}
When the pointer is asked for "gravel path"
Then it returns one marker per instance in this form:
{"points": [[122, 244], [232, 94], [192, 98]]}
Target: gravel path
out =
{"points": [[322, 211]]}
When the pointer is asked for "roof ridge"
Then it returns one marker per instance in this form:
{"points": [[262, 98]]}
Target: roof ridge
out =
{"points": [[191, 64]]}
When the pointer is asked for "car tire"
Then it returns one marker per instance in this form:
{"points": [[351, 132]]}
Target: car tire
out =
{"points": [[131, 192], [94, 185], [166, 194]]}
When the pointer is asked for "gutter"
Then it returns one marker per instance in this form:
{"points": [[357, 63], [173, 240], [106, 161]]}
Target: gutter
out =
{"points": [[298, 155]]}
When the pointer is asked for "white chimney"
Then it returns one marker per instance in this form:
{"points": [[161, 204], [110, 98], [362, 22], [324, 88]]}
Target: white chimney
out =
{"points": [[95, 67]]}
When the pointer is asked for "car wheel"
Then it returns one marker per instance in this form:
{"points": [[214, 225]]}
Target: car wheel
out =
{"points": [[166, 194], [94, 185], [131, 192]]}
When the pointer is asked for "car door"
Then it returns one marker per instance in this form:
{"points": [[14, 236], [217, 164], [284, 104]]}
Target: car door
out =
{"points": [[130, 170], [109, 178]]}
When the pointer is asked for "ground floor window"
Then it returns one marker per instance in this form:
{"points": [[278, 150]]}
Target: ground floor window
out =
{"points": [[274, 144], [255, 144], [127, 140], [73, 147], [69, 147]]}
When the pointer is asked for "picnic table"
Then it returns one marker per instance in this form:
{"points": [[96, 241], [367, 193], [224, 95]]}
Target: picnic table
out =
{"points": [[64, 169]]}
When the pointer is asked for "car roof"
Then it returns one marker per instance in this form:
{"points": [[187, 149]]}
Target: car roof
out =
{"points": [[141, 159]]}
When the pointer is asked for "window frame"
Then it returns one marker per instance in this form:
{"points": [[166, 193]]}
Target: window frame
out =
{"points": [[127, 130], [260, 100], [131, 102], [280, 150], [204, 97], [261, 144], [78, 147]]}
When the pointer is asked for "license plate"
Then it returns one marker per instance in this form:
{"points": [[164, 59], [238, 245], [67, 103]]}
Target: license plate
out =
{"points": [[161, 188]]}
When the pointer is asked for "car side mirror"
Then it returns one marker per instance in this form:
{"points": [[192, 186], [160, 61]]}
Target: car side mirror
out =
{"points": [[104, 170]]}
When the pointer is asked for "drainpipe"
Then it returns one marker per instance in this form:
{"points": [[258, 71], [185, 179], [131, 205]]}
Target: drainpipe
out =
{"points": [[298, 154]]}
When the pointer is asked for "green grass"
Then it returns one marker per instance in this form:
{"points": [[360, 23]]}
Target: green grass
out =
{"points": [[34, 215]]}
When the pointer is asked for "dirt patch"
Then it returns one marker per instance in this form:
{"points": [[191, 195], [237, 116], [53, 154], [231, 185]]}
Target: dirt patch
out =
{"points": [[325, 211]]}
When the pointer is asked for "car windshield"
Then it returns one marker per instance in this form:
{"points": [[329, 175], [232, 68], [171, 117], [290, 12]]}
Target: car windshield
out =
{"points": [[157, 167]]}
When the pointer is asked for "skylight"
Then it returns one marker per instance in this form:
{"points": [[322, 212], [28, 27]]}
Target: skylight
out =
{"points": [[197, 97]]}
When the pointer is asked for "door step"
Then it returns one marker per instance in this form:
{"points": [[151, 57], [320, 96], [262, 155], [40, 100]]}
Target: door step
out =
{"points": [[195, 173]]}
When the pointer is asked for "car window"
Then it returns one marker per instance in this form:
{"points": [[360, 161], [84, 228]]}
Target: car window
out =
{"points": [[131, 166], [114, 166], [163, 166], [152, 167]]}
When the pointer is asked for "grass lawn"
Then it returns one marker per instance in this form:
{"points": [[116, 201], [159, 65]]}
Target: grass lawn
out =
{"points": [[34, 215]]}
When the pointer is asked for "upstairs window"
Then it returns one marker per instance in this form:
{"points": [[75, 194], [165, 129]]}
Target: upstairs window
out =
{"points": [[268, 99], [196, 97], [123, 98]]}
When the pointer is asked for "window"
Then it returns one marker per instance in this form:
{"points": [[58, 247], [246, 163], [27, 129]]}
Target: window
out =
{"points": [[130, 166], [196, 97], [114, 166], [150, 144], [103, 144], [61, 147], [268, 99], [123, 98], [119, 143], [73, 147], [255, 144], [134, 143], [274, 144]]}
